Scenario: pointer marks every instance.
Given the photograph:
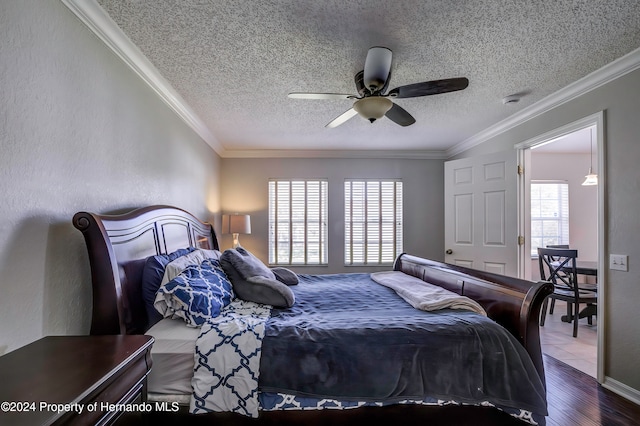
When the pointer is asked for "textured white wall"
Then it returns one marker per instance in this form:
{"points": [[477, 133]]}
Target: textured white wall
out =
{"points": [[78, 131], [245, 191], [621, 103]]}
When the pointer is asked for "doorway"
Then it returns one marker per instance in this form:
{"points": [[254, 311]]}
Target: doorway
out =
{"points": [[563, 157]]}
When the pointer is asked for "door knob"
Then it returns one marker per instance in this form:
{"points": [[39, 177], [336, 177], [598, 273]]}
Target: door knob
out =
{"points": [[449, 251]]}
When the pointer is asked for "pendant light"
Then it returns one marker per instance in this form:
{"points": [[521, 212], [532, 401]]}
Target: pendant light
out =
{"points": [[591, 178]]}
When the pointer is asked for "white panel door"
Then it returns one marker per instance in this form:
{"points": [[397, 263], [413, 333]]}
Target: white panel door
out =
{"points": [[480, 209]]}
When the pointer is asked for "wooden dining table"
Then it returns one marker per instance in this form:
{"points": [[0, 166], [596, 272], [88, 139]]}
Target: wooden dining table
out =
{"points": [[587, 267]]}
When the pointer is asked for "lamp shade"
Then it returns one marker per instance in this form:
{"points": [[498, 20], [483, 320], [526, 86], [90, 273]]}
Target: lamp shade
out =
{"points": [[373, 108], [236, 224]]}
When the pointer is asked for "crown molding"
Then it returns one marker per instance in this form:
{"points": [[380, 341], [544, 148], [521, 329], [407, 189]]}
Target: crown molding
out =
{"points": [[621, 66], [361, 154], [96, 19]]}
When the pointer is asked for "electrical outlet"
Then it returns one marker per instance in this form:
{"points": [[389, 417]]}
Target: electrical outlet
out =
{"points": [[619, 262]]}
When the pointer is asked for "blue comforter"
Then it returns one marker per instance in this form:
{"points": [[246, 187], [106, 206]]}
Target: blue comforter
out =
{"points": [[350, 338]]}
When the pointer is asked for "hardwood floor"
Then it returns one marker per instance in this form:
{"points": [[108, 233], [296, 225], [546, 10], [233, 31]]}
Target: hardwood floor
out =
{"points": [[575, 398]]}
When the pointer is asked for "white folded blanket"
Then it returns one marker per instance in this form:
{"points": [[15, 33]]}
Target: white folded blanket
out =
{"points": [[424, 296]]}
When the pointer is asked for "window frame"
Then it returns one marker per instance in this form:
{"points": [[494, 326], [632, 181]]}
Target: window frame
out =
{"points": [[321, 221], [563, 235], [368, 246]]}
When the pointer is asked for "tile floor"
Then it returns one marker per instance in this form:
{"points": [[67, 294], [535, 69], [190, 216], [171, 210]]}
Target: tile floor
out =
{"points": [[558, 341]]}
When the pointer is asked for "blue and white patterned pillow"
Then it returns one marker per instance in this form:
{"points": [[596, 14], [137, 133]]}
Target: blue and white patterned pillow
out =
{"points": [[199, 292]]}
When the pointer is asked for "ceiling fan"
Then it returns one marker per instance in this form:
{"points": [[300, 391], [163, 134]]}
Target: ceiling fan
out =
{"points": [[372, 103]]}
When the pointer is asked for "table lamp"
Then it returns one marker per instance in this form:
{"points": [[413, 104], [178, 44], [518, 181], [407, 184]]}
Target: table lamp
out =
{"points": [[236, 224]]}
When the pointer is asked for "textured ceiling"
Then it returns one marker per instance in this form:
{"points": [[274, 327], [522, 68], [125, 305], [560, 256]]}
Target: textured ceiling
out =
{"points": [[234, 62]]}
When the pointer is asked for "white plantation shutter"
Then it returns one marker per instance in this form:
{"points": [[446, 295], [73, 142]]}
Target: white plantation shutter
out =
{"points": [[298, 222], [373, 221]]}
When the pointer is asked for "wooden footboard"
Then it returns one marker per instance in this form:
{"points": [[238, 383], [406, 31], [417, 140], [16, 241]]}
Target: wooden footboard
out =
{"points": [[511, 302]]}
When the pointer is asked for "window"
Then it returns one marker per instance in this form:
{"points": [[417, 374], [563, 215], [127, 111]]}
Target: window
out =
{"points": [[298, 222], [549, 214], [372, 221]]}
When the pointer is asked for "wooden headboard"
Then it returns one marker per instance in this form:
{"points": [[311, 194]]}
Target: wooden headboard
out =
{"points": [[118, 246]]}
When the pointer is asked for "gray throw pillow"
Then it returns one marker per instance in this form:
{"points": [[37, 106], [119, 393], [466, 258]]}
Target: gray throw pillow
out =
{"points": [[285, 275], [252, 280]]}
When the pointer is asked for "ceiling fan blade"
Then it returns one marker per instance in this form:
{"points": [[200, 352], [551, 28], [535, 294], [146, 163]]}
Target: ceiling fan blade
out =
{"points": [[297, 95], [429, 88], [400, 116], [377, 67], [342, 118]]}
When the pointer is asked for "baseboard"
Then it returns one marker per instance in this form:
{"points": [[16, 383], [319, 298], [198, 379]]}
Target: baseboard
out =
{"points": [[621, 389]]}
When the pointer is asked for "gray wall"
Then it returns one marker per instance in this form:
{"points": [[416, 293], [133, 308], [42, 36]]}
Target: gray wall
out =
{"points": [[79, 131], [245, 191], [620, 100]]}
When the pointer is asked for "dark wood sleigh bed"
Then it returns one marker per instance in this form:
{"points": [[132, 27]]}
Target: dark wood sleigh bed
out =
{"points": [[118, 246]]}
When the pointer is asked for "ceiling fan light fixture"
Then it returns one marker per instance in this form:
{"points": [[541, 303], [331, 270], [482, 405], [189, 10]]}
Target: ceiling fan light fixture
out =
{"points": [[372, 108], [373, 101]]}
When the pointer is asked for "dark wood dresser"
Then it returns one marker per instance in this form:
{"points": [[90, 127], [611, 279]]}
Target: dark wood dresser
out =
{"points": [[79, 380]]}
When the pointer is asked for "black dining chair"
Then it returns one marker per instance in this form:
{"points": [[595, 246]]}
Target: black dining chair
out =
{"points": [[581, 285], [559, 267], [557, 246]]}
